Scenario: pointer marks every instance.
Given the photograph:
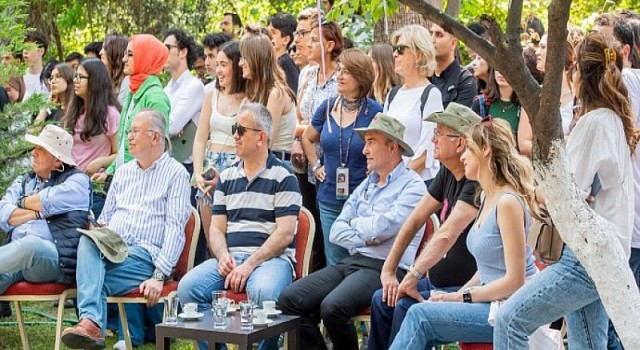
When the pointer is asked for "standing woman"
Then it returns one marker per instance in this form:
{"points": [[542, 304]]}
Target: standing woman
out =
{"points": [[61, 85], [214, 146], [497, 241], [600, 144], [92, 117], [111, 54], [383, 66], [415, 61], [266, 85], [332, 125]]}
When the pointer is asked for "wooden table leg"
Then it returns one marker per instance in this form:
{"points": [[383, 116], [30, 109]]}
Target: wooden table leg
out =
{"points": [[245, 345], [292, 343], [162, 343]]}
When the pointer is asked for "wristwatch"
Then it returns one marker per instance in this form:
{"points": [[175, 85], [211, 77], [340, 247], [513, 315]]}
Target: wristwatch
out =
{"points": [[466, 295], [316, 166], [412, 270], [158, 275]]}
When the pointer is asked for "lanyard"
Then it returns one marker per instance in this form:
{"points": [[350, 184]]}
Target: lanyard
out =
{"points": [[353, 125]]}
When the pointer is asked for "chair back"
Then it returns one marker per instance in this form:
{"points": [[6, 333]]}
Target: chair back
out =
{"points": [[304, 242], [188, 254], [431, 226]]}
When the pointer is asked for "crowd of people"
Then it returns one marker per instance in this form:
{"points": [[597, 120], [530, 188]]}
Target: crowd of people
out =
{"points": [[260, 121]]}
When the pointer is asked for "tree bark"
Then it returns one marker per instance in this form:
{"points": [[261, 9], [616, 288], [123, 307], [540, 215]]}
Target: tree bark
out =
{"points": [[404, 16], [453, 8], [591, 237]]}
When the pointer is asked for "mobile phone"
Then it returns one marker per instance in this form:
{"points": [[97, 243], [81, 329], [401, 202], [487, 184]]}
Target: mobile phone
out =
{"points": [[209, 174]]}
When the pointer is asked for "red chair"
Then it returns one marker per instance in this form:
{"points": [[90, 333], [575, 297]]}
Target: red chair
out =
{"points": [[185, 263], [475, 346], [305, 232], [27, 291], [431, 226]]}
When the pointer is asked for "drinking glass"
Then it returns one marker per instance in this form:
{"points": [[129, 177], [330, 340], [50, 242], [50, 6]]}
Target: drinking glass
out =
{"points": [[246, 315], [170, 315]]}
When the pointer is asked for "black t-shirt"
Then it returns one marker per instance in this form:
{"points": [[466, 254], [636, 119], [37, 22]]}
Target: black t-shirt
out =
{"points": [[458, 265], [290, 71], [456, 85]]}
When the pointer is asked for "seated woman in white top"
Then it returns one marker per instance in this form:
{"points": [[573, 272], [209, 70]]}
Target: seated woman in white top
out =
{"points": [[267, 85], [214, 147]]}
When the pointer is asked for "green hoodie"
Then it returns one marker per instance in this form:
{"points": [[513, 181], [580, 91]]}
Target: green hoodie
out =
{"points": [[150, 95]]}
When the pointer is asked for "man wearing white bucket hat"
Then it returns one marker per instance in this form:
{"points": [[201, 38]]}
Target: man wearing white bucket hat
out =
{"points": [[41, 211]]}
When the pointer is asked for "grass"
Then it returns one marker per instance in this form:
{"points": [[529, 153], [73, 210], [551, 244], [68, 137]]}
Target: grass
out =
{"points": [[41, 328]]}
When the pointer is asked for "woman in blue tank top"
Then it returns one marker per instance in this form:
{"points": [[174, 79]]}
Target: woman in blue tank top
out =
{"points": [[497, 241]]}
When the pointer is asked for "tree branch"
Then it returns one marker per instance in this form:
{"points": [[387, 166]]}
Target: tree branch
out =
{"points": [[514, 16]]}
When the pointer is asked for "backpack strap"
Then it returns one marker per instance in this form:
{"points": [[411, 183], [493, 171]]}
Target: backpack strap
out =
{"points": [[425, 97], [481, 104], [392, 94]]}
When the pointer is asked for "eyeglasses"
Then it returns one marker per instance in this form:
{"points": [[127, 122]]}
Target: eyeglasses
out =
{"points": [[241, 130], [437, 133], [54, 78], [134, 133], [400, 49], [301, 33], [171, 46], [77, 78], [342, 71]]}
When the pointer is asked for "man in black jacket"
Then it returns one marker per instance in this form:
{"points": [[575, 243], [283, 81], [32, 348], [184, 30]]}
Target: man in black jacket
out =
{"points": [[41, 211]]}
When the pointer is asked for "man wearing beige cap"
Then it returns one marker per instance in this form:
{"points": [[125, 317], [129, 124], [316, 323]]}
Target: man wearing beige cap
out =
{"points": [[41, 211], [446, 259], [367, 228]]}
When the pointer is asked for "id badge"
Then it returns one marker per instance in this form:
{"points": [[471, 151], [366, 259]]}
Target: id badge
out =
{"points": [[342, 183]]}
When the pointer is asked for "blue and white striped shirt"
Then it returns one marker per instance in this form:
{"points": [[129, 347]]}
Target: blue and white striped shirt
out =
{"points": [[252, 206], [150, 208]]}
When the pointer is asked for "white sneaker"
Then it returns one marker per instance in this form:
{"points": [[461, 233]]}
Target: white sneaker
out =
{"points": [[120, 345]]}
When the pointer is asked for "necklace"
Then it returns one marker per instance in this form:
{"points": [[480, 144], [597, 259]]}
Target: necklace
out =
{"points": [[507, 107], [351, 106]]}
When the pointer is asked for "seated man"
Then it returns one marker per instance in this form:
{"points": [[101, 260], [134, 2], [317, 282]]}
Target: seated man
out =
{"points": [[41, 211], [446, 259], [148, 206], [367, 228], [256, 207]]}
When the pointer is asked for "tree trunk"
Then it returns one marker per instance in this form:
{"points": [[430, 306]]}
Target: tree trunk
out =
{"points": [[592, 238], [453, 8], [403, 17]]}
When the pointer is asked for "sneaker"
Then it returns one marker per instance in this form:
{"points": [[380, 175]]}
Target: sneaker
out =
{"points": [[85, 335], [120, 345]]}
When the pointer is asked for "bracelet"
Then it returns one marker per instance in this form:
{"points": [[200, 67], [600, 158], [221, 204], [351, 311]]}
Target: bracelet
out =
{"points": [[38, 215], [412, 270], [21, 203], [316, 166]]}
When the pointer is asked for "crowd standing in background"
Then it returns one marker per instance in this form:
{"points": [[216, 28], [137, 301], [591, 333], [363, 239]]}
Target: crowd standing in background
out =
{"points": [[264, 119]]}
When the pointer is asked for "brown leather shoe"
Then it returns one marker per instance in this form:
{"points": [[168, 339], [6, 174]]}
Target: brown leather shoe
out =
{"points": [[85, 335]]}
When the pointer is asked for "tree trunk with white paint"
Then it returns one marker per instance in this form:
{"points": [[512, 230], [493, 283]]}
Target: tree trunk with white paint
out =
{"points": [[592, 238]]}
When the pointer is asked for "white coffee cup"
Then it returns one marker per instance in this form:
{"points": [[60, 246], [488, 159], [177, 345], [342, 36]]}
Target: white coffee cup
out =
{"points": [[269, 306], [190, 309], [260, 315]]}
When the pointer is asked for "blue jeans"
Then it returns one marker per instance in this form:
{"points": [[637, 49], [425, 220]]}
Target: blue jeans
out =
{"points": [[328, 215], [563, 288], [634, 262], [98, 278], [30, 259], [266, 282], [386, 321], [432, 323], [220, 161]]}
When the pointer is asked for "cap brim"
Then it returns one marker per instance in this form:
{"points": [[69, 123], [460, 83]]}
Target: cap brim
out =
{"points": [[38, 142]]}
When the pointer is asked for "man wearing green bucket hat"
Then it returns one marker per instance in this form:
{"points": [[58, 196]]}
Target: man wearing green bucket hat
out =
{"points": [[366, 227]]}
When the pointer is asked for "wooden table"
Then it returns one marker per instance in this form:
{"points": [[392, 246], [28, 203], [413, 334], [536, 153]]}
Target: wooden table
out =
{"points": [[202, 329]]}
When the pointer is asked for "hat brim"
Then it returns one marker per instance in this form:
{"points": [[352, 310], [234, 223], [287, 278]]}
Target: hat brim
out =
{"points": [[116, 257], [407, 151], [65, 158]]}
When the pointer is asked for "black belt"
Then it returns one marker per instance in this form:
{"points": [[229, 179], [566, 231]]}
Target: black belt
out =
{"points": [[282, 155]]}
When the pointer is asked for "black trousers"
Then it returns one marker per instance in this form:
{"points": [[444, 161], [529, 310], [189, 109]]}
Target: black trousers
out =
{"points": [[310, 201], [334, 294]]}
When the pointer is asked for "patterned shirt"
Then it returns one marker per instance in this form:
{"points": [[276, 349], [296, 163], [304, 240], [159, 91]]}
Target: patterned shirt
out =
{"points": [[150, 208]]}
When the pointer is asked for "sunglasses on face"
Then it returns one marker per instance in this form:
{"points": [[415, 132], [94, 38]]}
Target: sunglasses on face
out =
{"points": [[241, 130], [400, 49]]}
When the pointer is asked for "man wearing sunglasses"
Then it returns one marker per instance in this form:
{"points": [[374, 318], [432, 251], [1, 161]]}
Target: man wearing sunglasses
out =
{"points": [[256, 206]]}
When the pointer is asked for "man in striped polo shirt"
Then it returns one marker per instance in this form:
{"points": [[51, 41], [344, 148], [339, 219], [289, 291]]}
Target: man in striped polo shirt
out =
{"points": [[148, 206], [256, 206]]}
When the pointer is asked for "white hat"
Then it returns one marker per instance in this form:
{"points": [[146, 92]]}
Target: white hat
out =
{"points": [[56, 141]]}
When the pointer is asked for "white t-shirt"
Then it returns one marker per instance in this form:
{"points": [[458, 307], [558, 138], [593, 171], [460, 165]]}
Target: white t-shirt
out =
{"points": [[33, 85], [597, 145], [631, 78], [417, 133], [566, 114]]}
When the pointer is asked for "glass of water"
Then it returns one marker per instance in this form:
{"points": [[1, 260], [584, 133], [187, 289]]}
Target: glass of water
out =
{"points": [[170, 315], [246, 315]]}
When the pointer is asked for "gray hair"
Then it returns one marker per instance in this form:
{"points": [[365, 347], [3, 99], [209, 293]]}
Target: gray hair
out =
{"points": [[261, 116], [158, 124]]}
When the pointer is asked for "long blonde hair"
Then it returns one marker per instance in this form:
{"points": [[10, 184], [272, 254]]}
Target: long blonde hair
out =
{"points": [[507, 166]]}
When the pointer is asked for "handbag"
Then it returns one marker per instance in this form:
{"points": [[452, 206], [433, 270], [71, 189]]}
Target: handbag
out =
{"points": [[544, 238]]}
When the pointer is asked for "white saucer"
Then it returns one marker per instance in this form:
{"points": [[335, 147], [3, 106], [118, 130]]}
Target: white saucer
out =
{"points": [[232, 309], [195, 316], [273, 313], [256, 323]]}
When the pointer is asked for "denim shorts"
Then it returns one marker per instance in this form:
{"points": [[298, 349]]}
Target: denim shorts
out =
{"points": [[220, 161]]}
